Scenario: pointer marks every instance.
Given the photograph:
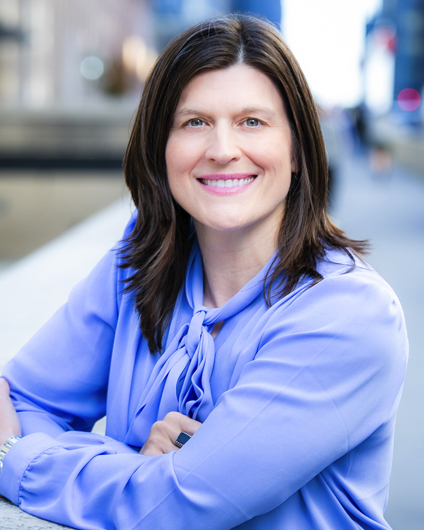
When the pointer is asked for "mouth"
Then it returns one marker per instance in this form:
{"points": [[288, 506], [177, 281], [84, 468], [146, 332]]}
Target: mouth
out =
{"points": [[227, 181]]}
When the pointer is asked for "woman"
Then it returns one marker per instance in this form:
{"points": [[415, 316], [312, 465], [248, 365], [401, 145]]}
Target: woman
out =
{"points": [[249, 362]]}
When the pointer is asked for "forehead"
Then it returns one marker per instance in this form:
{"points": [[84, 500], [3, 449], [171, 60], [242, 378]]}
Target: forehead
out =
{"points": [[238, 85]]}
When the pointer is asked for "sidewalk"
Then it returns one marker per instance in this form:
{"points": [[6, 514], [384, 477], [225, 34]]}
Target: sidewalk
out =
{"points": [[388, 208]]}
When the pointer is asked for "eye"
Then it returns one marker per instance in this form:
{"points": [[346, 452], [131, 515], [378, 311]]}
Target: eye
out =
{"points": [[252, 122], [195, 122]]}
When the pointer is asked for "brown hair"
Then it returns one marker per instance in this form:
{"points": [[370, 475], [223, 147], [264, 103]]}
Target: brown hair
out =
{"points": [[158, 249]]}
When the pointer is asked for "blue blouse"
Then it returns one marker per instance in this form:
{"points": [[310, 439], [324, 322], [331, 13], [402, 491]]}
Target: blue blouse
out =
{"points": [[298, 402]]}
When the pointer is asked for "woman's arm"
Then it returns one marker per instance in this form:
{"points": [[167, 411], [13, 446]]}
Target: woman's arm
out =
{"points": [[59, 379], [328, 374], [69, 357]]}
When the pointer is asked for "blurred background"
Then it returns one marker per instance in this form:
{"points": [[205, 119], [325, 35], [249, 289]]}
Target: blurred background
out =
{"points": [[71, 75]]}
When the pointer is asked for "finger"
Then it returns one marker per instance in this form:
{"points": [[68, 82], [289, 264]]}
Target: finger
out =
{"points": [[150, 449], [159, 440], [182, 429], [179, 422], [163, 433]]}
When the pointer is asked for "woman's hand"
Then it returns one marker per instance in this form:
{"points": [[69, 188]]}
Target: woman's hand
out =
{"points": [[9, 421], [164, 433]]}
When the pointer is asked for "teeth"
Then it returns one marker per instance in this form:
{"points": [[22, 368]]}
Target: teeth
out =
{"points": [[228, 183]]}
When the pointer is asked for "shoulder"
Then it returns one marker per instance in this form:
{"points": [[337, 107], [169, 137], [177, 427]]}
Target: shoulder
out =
{"points": [[352, 287], [352, 308], [347, 283], [347, 332]]}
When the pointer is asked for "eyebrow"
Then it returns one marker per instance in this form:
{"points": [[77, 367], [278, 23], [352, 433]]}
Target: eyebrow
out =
{"points": [[244, 110], [254, 110], [186, 112]]}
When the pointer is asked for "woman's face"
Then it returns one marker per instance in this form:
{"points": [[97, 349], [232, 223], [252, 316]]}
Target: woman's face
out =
{"points": [[228, 154]]}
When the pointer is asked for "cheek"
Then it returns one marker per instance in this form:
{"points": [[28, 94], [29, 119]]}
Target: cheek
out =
{"points": [[274, 151], [177, 169], [179, 157]]}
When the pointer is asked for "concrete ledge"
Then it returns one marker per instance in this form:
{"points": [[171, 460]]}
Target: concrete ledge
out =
{"points": [[13, 518]]}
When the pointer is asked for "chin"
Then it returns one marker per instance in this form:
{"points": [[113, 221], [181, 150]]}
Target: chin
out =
{"points": [[229, 228]]}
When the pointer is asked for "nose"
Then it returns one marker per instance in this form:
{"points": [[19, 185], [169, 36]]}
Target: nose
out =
{"points": [[223, 145]]}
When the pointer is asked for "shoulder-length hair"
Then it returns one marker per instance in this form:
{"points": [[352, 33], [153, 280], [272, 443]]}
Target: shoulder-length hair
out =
{"points": [[157, 250]]}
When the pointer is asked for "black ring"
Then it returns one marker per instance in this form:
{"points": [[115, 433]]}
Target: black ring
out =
{"points": [[182, 439]]}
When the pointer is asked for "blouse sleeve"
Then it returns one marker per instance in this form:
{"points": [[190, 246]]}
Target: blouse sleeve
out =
{"points": [[328, 373], [81, 333]]}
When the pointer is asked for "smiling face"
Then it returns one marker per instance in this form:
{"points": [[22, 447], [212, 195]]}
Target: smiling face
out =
{"points": [[228, 154]]}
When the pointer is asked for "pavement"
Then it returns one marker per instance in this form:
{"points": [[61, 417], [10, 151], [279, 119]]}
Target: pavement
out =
{"points": [[386, 206]]}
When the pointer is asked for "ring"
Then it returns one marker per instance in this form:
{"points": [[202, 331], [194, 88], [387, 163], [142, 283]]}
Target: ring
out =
{"points": [[182, 439]]}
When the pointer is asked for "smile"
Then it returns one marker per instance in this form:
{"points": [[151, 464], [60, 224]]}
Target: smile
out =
{"points": [[228, 183]]}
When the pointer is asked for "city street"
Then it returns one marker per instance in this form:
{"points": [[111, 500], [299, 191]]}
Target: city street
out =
{"points": [[388, 208]]}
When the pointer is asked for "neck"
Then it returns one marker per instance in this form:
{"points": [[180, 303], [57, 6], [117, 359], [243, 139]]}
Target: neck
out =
{"points": [[231, 260]]}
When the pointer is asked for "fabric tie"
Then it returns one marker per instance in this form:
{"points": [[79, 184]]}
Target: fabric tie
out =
{"points": [[180, 380]]}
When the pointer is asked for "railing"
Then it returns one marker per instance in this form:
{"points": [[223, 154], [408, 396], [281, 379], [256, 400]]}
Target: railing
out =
{"points": [[93, 137]]}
